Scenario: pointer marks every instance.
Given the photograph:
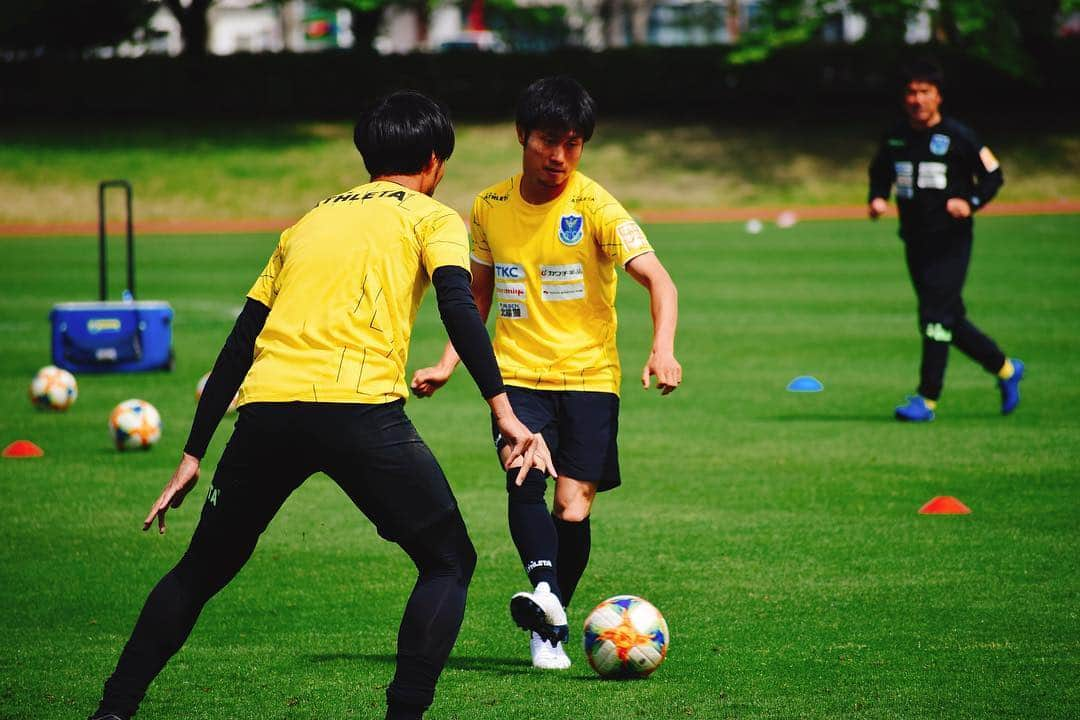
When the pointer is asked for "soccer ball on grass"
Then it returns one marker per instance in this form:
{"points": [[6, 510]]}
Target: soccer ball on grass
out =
{"points": [[134, 424], [53, 388], [625, 637]]}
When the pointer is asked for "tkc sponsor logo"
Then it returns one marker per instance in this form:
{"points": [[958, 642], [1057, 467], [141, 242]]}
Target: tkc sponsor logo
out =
{"points": [[509, 271]]}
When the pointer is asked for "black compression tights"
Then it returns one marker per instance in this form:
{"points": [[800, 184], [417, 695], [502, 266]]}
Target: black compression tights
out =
{"points": [[445, 560]]}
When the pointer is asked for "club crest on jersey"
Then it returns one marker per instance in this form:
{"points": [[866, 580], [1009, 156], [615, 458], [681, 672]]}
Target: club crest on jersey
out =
{"points": [[939, 144], [571, 229]]}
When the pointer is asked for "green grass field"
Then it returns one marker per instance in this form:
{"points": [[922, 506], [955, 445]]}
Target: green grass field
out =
{"points": [[49, 170], [777, 532]]}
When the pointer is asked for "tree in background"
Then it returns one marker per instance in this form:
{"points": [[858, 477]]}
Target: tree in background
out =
{"points": [[1004, 33], [70, 27], [194, 26]]}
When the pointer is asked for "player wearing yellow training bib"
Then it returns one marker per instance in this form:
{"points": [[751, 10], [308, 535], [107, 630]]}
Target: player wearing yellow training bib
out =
{"points": [[320, 348], [343, 310], [547, 247], [554, 267]]}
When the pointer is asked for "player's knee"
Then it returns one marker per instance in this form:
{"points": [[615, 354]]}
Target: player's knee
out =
{"points": [[575, 508], [459, 557], [466, 561], [573, 513], [531, 491]]}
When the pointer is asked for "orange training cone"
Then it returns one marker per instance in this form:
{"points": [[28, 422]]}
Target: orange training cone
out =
{"points": [[22, 449], [944, 505]]}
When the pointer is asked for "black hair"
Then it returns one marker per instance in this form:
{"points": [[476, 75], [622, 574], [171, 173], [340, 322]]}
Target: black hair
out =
{"points": [[557, 103], [923, 69], [398, 134]]}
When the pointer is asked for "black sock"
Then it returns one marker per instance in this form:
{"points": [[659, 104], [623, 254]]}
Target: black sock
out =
{"points": [[575, 542], [531, 527], [537, 544], [404, 712]]}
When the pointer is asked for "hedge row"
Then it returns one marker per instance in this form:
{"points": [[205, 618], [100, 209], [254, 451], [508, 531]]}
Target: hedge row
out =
{"points": [[677, 82]]}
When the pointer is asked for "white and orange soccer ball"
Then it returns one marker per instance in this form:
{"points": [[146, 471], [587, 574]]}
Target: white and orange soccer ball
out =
{"points": [[134, 424], [53, 388], [202, 384], [625, 637]]}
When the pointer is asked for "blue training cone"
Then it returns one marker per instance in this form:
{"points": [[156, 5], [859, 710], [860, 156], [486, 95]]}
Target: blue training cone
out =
{"points": [[805, 383]]}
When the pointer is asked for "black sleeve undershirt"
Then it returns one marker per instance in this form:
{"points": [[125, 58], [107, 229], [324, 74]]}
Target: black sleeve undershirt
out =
{"points": [[232, 365], [465, 328]]}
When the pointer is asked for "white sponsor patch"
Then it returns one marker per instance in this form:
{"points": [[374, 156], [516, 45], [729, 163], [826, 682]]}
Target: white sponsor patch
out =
{"points": [[564, 291], [510, 291], [561, 272], [904, 179], [988, 160], [513, 310], [933, 175], [509, 271], [631, 235]]}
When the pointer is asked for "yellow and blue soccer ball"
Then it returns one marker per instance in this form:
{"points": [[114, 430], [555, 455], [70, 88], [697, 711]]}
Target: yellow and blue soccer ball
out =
{"points": [[134, 424], [53, 388], [625, 637]]}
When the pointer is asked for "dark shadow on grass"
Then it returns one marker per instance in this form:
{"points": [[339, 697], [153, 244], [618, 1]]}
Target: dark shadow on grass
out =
{"points": [[478, 664]]}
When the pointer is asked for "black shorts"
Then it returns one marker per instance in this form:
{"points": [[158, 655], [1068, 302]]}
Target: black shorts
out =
{"points": [[372, 452], [580, 428]]}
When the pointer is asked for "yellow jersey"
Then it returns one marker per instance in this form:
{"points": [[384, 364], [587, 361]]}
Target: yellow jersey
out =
{"points": [[555, 280], [343, 288]]}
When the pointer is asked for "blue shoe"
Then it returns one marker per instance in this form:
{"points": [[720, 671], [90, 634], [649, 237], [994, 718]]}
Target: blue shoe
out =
{"points": [[915, 410], [1010, 389]]}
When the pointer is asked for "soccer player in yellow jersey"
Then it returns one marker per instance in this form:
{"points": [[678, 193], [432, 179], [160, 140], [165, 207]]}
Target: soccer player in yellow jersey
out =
{"points": [[318, 355], [547, 244]]}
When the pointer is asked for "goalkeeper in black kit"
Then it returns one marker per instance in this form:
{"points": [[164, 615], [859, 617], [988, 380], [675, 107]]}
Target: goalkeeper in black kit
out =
{"points": [[943, 176]]}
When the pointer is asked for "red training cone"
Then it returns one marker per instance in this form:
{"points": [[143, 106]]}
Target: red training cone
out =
{"points": [[944, 505], [22, 449]]}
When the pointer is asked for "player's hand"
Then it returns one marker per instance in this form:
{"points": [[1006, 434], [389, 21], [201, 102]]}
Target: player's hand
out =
{"points": [[667, 370], [426, 381], [185, 477], [959, 208], [877, 208], [524, 446]]}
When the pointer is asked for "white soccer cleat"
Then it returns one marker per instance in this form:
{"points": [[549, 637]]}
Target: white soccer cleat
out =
{"points": [[540, 612], [547, 656]]}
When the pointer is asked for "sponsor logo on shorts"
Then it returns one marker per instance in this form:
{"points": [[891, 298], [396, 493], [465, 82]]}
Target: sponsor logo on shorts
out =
{"points": [[212, 495], [631, 235], [513, 311], [561, 272], [510, 291], [565, 291], [939, 144], [509, 271], [571, 229]]}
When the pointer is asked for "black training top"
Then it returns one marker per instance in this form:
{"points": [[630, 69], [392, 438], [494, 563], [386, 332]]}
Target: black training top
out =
{"points": [[929, 167]]}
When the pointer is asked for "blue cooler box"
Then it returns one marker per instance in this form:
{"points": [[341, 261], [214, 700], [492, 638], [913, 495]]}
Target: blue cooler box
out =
{"points": [[112, 336]]}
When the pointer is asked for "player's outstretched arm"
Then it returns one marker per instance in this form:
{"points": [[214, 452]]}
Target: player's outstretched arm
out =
{"points": [[183, 479], [426, 381], [664, 304], [231, 366], [468, 333]]}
